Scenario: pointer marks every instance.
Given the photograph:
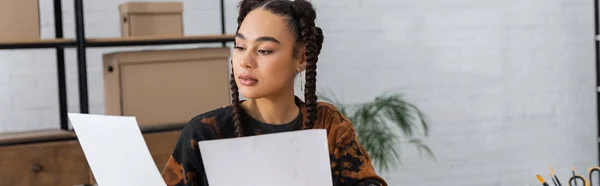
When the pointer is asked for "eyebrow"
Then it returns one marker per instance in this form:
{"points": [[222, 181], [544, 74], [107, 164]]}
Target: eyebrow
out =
{"points": [[263, 38]]}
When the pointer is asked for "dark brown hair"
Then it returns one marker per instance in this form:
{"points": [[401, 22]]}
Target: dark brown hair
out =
{"points": [[301, 23]]}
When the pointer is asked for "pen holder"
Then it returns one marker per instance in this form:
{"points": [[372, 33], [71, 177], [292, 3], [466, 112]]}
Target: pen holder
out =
{"points": [[573, 179]]}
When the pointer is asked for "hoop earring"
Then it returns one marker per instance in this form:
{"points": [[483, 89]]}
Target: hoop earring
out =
{"points": [[301, 81]]}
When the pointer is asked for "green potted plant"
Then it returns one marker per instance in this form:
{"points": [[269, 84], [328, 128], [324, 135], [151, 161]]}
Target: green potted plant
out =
{"points": [[383, 123]]}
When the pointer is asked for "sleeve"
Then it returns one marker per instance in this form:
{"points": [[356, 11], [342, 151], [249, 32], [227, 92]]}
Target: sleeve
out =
{"points": [[353, 164], [182, 167]]}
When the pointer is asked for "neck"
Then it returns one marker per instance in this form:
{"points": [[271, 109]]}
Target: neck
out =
{"points": [[272, 110]]}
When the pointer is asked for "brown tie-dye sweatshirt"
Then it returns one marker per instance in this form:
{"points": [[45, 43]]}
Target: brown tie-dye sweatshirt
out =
{"points": [[350, 163]]}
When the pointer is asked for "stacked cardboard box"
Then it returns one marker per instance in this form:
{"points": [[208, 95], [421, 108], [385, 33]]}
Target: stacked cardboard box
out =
{"points": [[162, 87], [20, 20], [151, 19]]}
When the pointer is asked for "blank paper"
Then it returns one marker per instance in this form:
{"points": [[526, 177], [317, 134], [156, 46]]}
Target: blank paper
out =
{"points": [[115, 150], [299, 158]]}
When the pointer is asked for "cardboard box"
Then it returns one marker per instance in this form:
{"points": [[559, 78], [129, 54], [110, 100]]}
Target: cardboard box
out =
{"points": [[151, 19], [19, 20], [162, 87]]}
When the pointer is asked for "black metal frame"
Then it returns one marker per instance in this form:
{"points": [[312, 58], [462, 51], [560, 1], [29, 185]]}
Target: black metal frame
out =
{"points": [[60, 66], [81, 44], [597, 45], [81, 57]]}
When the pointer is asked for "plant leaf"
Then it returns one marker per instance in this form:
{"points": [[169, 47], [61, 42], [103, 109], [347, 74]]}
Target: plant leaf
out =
{"points": [[397, 111], [422, 118], [421, 146], [372, 121], [379, 142]]}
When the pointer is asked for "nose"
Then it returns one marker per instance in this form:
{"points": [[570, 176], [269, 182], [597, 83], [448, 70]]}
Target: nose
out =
{"points": [[248, 62]]}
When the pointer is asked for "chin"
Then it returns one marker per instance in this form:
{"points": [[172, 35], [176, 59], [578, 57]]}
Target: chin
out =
{"points": [[248, 93]]}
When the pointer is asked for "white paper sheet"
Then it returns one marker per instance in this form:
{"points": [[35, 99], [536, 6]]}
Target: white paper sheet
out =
{"points": [[115, 150], [299, 158]]}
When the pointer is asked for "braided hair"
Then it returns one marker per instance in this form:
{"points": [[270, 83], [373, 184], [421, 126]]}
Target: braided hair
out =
{"points": [[300, 15]]}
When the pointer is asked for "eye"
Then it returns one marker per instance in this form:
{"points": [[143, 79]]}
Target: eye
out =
{"points": [[239, 48], [265, 52]]}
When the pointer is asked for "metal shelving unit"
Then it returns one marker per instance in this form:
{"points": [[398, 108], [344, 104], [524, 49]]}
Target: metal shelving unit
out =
{"points": [[597, 50], [81, 43]]}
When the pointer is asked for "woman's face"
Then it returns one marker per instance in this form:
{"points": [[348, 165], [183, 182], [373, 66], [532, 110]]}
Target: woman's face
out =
{"points": [[263, 61]]}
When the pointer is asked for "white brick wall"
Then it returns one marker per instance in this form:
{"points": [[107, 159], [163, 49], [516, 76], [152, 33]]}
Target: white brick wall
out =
{"points": [[508, 85]]}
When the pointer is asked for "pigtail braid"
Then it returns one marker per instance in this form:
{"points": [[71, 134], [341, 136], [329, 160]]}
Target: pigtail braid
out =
{"points": [[237, 107], [308, 32], [244, 8], [319, 39]]}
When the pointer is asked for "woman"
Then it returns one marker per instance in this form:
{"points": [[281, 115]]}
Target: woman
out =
{"points": [[275, 41]]}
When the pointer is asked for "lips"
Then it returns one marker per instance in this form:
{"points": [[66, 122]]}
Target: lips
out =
{"points": [[247, 80]]}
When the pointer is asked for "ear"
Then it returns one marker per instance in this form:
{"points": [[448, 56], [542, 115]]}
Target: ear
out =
{"points": [[301, 60]]}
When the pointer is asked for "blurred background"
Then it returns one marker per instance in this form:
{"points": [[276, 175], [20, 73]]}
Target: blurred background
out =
{"points": [[508, 88]]}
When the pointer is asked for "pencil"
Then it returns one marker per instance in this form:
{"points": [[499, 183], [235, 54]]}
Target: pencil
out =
{"points": [[542, 180], [552, 178], [553, 181], [555, 177], [573, 170]]}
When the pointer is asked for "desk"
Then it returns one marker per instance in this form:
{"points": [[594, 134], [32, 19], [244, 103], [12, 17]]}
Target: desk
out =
{"points": [[54, 157]]}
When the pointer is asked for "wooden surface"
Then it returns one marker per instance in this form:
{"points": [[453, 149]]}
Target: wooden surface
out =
{"points": [[161, 128], [40, 164], [159, 38], [120, 39], [35, 136], [54, 157], [35, 41], [161, 146]]}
